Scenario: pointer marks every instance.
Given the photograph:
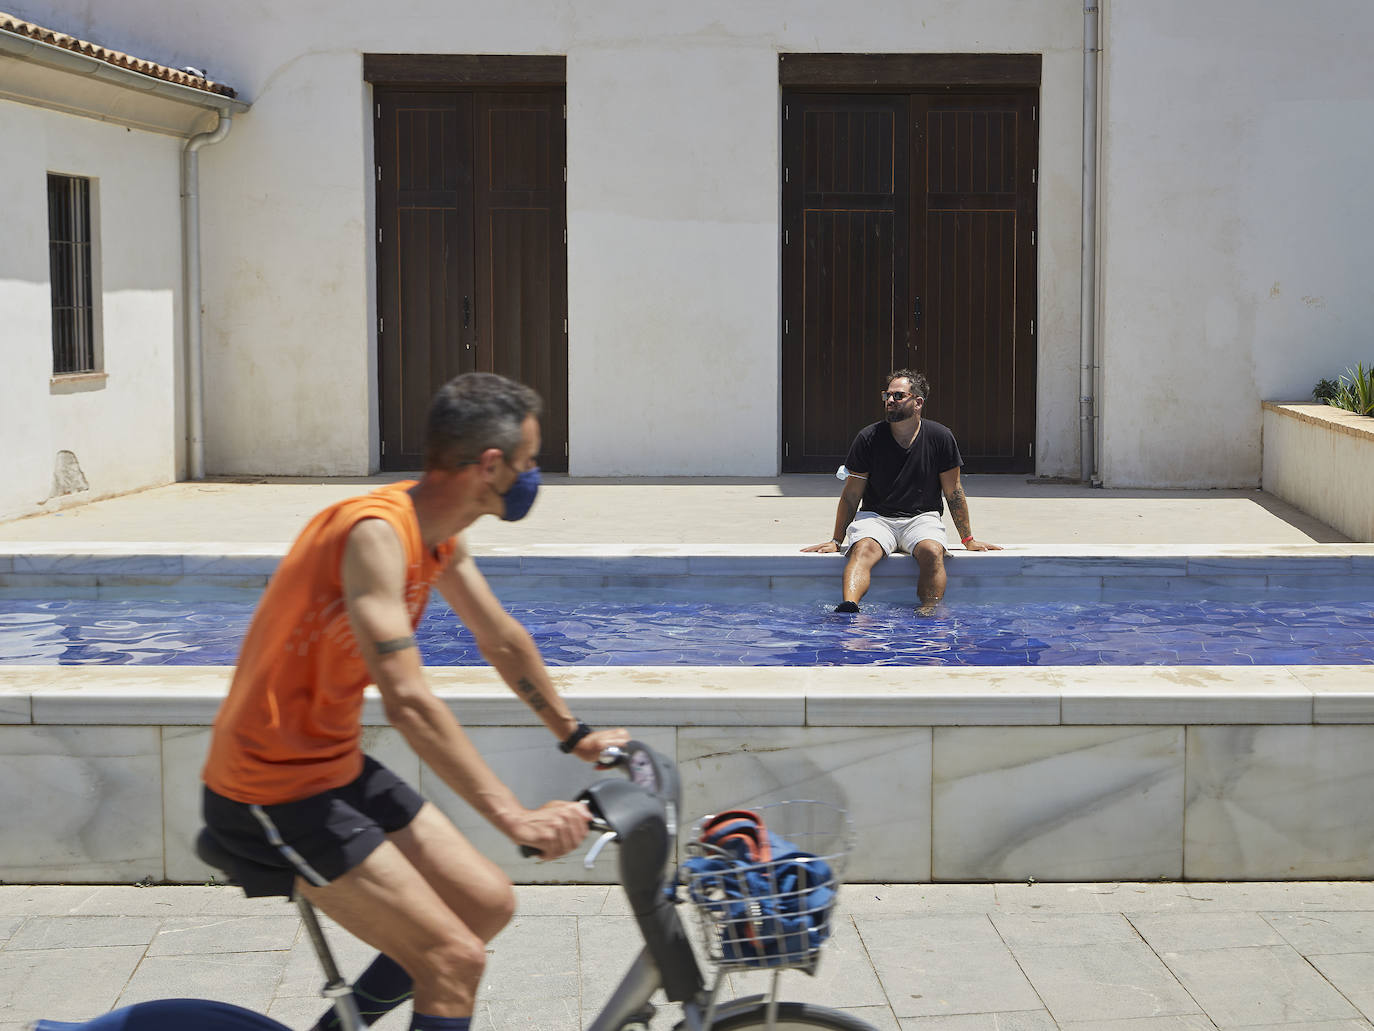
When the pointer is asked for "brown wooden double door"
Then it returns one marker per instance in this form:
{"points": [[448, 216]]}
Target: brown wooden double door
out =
{"points": [[909, 222], [471, 253]]}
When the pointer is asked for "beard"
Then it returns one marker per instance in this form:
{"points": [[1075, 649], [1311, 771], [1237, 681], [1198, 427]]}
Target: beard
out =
{"points": [[897, 414]]}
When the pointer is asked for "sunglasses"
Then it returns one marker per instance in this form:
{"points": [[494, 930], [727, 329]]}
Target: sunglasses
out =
{"points": [[896, 395]]}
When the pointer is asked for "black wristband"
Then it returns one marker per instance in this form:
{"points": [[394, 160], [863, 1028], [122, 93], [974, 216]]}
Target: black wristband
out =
{"points": [[570, 742]]}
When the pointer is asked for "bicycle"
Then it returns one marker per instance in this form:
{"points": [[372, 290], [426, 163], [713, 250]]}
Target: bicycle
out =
{"points": [[640, 813]]}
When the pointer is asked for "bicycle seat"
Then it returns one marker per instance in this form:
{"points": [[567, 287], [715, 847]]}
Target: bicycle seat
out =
{"points": [[256, 879]]}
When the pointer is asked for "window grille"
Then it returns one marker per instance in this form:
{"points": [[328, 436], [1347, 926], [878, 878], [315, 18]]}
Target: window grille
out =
{"points": [[69, 261]]}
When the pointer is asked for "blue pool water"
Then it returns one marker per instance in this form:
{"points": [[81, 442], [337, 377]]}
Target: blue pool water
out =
{"points": [[608, 634]]}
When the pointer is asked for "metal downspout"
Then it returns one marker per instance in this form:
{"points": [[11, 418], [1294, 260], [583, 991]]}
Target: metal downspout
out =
{"points": [[190, 212], [1087, 394]]}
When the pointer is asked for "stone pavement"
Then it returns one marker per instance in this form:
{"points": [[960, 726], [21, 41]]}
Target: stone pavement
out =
{"points": [[1297, 956], [759, 515]]}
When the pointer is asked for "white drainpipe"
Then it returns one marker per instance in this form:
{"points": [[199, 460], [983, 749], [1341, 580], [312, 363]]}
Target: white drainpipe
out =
{"points": [[1087, 395], [190, 208]]}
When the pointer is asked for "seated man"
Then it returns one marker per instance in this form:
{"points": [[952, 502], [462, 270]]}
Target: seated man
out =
{"points": [[287, 785], [898, 469]]}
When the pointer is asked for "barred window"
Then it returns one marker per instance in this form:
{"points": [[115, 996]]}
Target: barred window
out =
{"points": [[69, 261]]}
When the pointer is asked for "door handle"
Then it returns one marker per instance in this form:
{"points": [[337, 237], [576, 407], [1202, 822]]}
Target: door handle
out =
{"points": [[916, 312]]}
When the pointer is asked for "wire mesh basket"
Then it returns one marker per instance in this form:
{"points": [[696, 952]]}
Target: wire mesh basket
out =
{"points": [[765, 897]]}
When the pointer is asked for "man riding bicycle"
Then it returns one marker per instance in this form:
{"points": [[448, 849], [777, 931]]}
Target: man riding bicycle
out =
{"points": [[286, 782]]}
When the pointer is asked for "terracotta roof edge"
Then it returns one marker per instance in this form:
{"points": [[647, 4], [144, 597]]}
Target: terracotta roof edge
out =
{"points": [[19, 27]]}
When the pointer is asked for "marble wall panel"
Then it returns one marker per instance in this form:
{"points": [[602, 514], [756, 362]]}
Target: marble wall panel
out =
{"points": [[15, 706], [80, 804], [1057, 803], [528, 761], [1276, 803], [881, 776]]}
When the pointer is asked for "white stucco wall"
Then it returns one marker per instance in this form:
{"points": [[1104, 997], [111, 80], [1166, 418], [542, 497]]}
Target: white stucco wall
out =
{"points": [[1237, 226], [673, 210], [124, 432]]}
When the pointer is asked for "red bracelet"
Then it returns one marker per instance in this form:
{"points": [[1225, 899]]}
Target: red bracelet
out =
{"points": [[965, 540]]}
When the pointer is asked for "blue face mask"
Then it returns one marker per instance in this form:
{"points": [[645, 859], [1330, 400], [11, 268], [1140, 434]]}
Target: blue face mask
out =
{"points": [[520, 498]]}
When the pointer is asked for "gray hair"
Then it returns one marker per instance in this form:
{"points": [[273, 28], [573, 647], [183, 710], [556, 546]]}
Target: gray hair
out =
{"points": [[473, 412]]}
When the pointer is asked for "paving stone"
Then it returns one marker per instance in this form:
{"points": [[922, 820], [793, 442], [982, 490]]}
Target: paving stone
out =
{"points": [[1352, 973], [1178, 1022], [1106, 981], [1018, 1020], [210, 935], [1173, 932], [244, 979], [70, 985], [83, 932], [1315, 934], [1045, 929], [533, 958], [8, 925], [1272, 985], [926, 973]]}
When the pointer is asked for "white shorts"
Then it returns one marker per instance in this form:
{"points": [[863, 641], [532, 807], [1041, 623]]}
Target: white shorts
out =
{"points": [[897, 534]]}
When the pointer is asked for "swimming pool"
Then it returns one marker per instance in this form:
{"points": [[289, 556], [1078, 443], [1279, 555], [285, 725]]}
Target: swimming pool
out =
{"points": [[1146, 633]]}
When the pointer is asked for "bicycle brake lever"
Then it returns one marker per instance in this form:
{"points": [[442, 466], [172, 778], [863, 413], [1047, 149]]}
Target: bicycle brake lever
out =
{"points": [[596, 848]]}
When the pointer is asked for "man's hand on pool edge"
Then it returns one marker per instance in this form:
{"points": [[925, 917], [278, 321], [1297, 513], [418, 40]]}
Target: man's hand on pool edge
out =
{"points": [[977, 545]]}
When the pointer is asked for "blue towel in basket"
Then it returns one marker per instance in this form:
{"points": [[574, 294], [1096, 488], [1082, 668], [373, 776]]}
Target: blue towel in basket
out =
{"points": [[771, 901]]}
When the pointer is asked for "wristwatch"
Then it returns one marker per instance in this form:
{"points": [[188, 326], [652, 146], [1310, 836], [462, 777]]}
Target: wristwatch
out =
{"points": [[570, 742]]}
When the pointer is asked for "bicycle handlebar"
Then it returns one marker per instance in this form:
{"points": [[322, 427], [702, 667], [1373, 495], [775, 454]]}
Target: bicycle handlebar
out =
{"points": [[611, 756]]}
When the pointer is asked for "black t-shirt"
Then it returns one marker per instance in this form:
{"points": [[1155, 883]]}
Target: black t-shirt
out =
{"points": [[903, 482]]}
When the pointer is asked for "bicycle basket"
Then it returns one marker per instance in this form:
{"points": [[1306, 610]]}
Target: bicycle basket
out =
{"points": [[764, 882]]}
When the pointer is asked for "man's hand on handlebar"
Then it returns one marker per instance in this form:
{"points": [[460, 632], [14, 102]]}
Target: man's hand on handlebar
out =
{"points": [[552, 830], [589, 749]]}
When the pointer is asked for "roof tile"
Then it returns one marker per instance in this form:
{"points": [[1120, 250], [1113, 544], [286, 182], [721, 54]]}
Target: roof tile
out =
{"points": [[9, 23]]}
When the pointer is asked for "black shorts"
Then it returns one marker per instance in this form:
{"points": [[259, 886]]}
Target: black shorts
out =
{"points": [[318, 838]]}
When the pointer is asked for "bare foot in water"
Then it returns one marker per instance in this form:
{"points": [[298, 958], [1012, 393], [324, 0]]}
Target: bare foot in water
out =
{"points": [[927, 609]]}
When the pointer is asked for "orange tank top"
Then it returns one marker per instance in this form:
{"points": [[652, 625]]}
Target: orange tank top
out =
{"points": [[291, 724]]}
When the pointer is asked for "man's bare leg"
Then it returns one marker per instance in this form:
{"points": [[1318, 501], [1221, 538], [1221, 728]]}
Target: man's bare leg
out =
{"points": [[469, 883], [389, 904], [930, 585], [863, 556]]}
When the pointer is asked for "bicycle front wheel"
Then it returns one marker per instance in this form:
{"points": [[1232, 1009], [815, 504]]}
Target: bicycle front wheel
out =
{"points": [[792, 1016]]}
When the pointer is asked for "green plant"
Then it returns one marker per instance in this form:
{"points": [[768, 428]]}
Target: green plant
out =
{"points": [[1355, 391], [1325, 390]]}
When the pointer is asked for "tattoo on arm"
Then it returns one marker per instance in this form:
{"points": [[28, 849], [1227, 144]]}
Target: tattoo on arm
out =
{"points": [[396, 644], [958, 511], [533, 697]]}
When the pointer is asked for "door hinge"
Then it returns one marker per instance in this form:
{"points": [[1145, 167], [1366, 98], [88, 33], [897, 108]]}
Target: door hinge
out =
{"points": [[786, 237], [1032, 327], [565, 449], [785, 327], [1033, 176], [1032, 237], [383, 447], [786, 176], [565, 111], [565, 173], [786, 109], [379, 173], [1030, 450], [786, 449], [379, 110], [565, 327], [1034, 109], [379, 234], [565, 238], [381, 324]]}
